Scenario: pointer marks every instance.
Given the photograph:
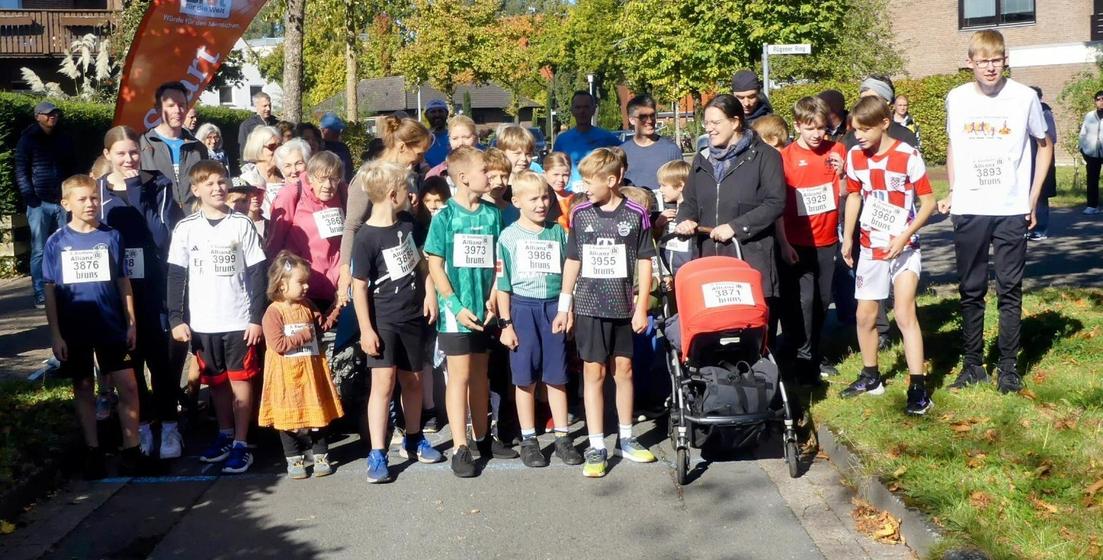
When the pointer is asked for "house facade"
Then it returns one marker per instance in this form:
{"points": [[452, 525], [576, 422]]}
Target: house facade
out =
{"points": [[35, 33]]}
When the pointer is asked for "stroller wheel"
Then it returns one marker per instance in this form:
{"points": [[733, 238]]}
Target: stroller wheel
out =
{"points": [[681, 467], [792, 457]]}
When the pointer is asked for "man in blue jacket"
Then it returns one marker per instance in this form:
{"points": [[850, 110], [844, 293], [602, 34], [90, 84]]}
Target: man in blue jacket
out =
{"points": [[42, 162]]}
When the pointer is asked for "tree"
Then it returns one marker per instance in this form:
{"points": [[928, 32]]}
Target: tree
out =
{"points": [[517, 58], [679, 47], [863, 46], [293, 60], [447, 40]]}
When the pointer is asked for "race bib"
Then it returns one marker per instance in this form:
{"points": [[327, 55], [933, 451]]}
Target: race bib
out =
{"points": [[473, 251], [136, 263], [719, 294], [223, 260], [306, 350], [604, 261], [880, 216], [88, 265], [401, 260], [534, 256], [330, 222], [678, 244], [991, 172], [815, 200]]}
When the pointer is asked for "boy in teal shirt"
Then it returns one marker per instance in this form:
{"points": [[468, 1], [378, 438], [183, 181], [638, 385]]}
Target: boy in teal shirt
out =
{"points": [[460, 250]]}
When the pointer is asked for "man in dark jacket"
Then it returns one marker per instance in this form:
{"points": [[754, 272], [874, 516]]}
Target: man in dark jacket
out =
{"points": [[747, 89], [262, 104], [168, 147], [42, 162]]}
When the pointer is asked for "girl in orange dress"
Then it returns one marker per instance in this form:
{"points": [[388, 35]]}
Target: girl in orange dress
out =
{"points": [[298, 397]]}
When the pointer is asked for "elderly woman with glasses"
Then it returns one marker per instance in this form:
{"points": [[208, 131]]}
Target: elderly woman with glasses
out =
{"points": [[260, 169], [308, 219], [211, 137]]}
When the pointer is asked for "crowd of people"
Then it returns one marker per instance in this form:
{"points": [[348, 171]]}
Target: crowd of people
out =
{"points": [[298, 272]]}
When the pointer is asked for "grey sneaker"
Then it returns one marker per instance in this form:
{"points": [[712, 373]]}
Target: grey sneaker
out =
{"points": [[295, 467], [635, 451], [321, 465]]}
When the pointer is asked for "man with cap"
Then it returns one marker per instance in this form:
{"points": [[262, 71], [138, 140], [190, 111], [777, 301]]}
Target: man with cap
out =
{"points": [[436, 112], [42, 162], [332, 126], [747, 88]]}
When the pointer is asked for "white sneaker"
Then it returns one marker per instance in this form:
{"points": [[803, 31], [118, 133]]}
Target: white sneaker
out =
{"points": [[1090, 211], [171, 443], [145, 439]]}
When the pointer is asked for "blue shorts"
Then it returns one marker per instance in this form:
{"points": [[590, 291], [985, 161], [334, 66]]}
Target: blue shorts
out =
{"points": [[540, 355]]}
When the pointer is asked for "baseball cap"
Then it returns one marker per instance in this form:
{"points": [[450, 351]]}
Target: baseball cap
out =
{"points": [[436, 104], [331, 121], [45, 108]]}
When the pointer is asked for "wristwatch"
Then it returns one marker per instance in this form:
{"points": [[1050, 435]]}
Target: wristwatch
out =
{"points": [[503, 323]]}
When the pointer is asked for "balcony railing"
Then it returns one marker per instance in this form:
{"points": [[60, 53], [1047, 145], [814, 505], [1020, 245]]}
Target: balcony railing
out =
{"points": [[43, 33]]}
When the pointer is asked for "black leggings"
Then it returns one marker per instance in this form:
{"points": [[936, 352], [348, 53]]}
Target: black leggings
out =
{"points": [[297, 442]]}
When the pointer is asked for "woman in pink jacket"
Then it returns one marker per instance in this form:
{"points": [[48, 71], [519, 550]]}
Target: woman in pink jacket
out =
{"points": [[307, 219]]}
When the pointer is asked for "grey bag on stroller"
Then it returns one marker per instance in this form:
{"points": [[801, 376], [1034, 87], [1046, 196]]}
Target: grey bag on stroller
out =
{"points": [[736, 389]]}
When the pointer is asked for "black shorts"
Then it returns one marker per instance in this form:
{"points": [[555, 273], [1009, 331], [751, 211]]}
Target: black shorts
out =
{"points": [[402, 346], [110, 357], [461, 344], [599, 339], [224, 357]]}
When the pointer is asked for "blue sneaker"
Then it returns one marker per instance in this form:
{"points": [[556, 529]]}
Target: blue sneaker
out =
{"points": [[377, 467], [425, 451], [219, 450], [238, 461]]}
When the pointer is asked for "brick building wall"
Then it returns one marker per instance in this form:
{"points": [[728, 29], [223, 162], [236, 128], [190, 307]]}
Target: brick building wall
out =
{"points": [[927, 33]]}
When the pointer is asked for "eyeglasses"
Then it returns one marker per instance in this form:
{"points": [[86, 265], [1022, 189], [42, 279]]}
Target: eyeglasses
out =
{"points": [[990, 62], [645, 116]]}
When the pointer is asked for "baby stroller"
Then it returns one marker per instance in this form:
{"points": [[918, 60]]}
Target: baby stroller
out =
{"points": [[726, 386]]}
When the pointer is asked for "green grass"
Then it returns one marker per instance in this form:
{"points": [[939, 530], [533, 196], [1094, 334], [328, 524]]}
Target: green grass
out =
{"points": [[1011, 475], [36, 423], [1070, 186]]}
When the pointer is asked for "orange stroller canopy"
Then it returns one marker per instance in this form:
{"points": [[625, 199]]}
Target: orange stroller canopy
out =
{"points": [[718, 294]]}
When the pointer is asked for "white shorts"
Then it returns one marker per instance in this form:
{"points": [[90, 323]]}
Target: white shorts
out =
{"points": [[873, 279]]}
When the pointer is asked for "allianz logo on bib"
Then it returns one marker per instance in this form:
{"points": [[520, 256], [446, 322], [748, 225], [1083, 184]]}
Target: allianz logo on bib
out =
{"points": [[207, 8]]}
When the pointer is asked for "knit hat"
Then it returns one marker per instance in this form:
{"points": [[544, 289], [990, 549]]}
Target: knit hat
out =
{"points": [[881, 88], [745, 80]]}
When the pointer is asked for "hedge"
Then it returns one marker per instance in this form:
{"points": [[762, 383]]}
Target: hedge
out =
{"points": [[926, 99], [86, 124]]}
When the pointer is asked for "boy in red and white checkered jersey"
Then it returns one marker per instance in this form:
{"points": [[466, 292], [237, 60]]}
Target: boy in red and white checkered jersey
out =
{"points": [[884, 177]]}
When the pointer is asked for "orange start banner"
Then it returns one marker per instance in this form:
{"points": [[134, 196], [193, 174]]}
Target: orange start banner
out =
{"points": [[178, 40]]}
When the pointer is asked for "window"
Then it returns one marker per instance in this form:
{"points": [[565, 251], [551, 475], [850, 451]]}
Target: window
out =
{"points": [[983, 13], [226, 95], [253, 90]]}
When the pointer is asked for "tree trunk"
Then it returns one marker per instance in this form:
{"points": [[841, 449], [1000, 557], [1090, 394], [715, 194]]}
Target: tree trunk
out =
{"points": [[293, 61], [351, 102]]}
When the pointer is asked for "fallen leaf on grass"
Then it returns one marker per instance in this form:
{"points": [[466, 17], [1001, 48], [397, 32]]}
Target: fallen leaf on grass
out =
{"points": [[1094, 487], [1040, 376], [876, 524], [1029, 394], [900, 471], [961, 427], [976, 459], [1065, 424], [1088, 335], [980, 500], [990, 434], [1025, 423], [1043, 469], [1043, 507]]}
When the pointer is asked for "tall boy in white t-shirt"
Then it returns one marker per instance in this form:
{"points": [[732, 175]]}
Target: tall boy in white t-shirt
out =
{"points": [[990, 122]]}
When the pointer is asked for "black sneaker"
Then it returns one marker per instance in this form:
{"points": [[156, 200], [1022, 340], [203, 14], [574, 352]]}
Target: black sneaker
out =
{"points": [[1008, 380], [919, 400], [531, 455], [566, 451], [970, 375], [827, 369], [493, 447], [867, 384], [463, 464]]}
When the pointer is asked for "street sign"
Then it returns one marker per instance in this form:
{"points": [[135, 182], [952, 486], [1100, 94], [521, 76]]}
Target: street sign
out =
{"points": [[802, 48]]}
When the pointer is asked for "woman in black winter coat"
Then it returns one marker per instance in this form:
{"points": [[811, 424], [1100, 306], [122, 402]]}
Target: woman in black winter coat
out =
{"points": [[736, 187]]}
